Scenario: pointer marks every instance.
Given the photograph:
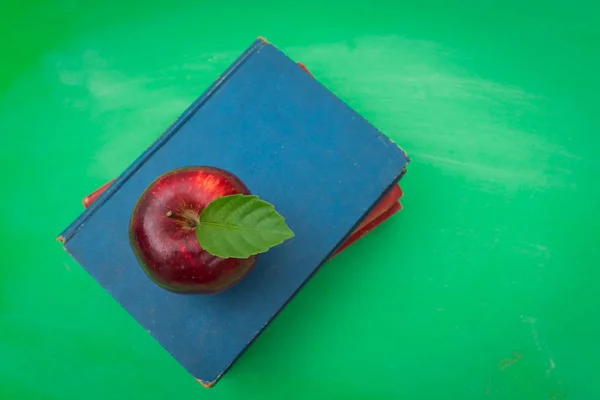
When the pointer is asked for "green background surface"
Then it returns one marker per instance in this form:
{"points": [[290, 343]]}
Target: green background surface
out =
{"points": [[484, 287]]}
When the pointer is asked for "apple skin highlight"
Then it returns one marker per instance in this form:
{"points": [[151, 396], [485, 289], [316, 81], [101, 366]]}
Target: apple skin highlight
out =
{"points": [[162, 231]]}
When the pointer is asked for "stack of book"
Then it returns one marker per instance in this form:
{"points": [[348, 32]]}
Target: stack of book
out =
{"points": [[332, 174]]}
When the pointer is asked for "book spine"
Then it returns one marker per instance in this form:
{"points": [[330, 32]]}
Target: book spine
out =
{"points": [[81, 220]]}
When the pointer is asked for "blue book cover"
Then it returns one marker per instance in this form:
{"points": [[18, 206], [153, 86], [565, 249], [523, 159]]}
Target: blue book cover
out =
{"points": [[295, 145]]}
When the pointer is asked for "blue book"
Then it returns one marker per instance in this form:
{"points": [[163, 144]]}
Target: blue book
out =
{"points": [[295, 145]]}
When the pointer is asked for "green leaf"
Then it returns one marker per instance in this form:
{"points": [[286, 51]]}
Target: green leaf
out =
{"points": [[239, 226]]}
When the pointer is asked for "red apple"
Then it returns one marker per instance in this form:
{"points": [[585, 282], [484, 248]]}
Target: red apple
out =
{"points": [[162, 231]]}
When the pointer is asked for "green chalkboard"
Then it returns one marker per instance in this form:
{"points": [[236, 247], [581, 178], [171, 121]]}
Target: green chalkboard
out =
{"points": [[485, 286]]}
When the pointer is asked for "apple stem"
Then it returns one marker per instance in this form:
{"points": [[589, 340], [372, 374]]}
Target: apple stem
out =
{"points": [[191, 222]]}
